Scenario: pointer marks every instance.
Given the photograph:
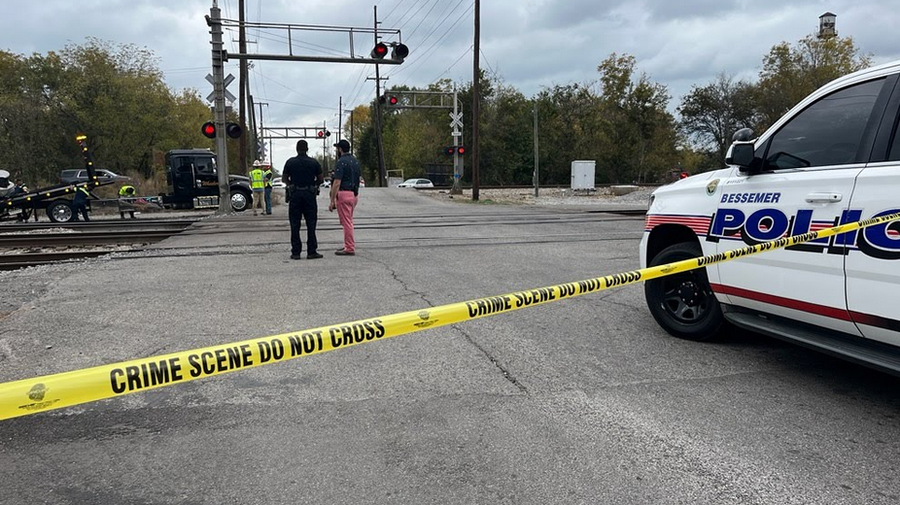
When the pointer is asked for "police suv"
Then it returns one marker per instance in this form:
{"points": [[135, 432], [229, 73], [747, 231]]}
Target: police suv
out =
{"points": [[832, 159]]}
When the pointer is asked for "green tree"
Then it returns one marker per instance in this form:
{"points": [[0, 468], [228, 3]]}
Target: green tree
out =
{"points": [[115, 94], [642, 131], [711, 114], [790, 73]]}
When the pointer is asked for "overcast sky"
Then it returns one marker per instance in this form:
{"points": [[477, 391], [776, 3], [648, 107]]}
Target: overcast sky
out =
{"points": [[530, 44]]}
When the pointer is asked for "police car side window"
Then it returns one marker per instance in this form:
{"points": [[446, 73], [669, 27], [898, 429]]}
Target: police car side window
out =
{"points": [[894, 155], [828, 132]]}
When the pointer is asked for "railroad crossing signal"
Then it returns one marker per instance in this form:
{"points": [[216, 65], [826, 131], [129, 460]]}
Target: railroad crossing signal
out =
{"points": [[233, 130], [228, 95], [323, 133], [451, 150], [398, 53], [388, 99]]}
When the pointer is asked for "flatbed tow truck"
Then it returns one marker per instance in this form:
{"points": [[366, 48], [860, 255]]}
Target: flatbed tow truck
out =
{"points": [[57, 200], [192, 180]]}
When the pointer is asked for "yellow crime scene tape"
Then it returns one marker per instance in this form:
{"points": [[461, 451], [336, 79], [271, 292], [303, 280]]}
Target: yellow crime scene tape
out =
{"points": [[40, 394]]}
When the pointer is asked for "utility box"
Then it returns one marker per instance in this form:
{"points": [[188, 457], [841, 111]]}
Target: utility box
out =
{"points": [[583, 174]]}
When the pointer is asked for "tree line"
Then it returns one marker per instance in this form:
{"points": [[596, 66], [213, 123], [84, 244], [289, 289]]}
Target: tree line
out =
{"points": [[117, 95]]}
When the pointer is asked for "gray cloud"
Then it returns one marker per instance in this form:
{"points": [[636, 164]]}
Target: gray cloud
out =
{"points": [[531, 43]]}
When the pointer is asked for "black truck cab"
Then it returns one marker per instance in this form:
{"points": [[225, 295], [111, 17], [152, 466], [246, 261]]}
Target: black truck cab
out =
{"points": [[193, 182]]}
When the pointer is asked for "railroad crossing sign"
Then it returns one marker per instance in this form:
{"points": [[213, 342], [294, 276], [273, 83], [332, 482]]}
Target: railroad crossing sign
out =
{"points": [[456, 120], [228, 96]]}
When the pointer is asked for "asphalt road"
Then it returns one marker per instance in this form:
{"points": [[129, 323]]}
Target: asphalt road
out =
{"points": [[580, 401]]}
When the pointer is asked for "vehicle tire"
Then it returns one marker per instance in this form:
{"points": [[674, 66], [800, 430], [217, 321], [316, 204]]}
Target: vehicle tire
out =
{"points": [[684, 304], [241, 200], [60, 211]]}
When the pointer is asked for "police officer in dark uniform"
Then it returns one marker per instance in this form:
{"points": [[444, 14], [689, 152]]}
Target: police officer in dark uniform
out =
{"points": [[303, 175]]}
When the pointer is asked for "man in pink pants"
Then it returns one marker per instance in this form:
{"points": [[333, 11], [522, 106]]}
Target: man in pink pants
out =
{"points": [[344, 190]]}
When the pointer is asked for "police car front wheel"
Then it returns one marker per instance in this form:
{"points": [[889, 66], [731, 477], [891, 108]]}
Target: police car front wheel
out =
{"points": [[683, 304]]}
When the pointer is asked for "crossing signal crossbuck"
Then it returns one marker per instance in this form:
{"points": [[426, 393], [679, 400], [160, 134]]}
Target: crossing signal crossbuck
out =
{"points": [[233, 130]]}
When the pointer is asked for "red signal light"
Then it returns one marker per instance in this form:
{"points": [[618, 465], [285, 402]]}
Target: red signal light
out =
{"points": [[209, 130], [393, 100], [379, 51], [320, 134], [461, 150]]}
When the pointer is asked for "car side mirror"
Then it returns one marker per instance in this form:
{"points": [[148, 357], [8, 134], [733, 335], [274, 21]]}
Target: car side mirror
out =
{"points": [[742, 154]]}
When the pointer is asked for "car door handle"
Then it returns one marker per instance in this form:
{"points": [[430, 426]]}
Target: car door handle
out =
{"points": [[824, 197]]}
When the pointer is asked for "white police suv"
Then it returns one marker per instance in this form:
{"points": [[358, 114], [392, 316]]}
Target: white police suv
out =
{"points": [[832, 159]]}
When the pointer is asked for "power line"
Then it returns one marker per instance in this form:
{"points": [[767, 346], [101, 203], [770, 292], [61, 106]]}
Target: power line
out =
{"points": [[465, 52], [428, 36], [292, 90], [398, 4], [297, 104], [422, 59], [423, 19], [412, 15], [488, 62]]}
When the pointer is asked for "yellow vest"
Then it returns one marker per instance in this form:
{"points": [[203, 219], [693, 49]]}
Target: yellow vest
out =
{"points": [[256, 179], [267, 175]]}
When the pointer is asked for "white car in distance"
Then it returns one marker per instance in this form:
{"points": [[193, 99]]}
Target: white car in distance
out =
{"points": [[416, 183]]}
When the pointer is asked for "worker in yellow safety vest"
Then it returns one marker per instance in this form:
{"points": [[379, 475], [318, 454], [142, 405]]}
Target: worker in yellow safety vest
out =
{"points": [[257, 184], [126, 206], [267, 177], [79, 203]]}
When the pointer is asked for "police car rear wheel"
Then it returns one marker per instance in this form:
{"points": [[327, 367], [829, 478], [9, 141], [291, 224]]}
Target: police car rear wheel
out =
{"points": [[683, 304]]}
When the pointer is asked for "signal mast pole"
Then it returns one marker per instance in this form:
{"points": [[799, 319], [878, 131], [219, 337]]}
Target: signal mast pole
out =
{"points": [[215, 24], [378, 137], [476, 99]]}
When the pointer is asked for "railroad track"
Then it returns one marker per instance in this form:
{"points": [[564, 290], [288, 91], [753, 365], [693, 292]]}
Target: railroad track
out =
{"points": [[85, 238], [16, 261], [43, 244], [133, 224]]}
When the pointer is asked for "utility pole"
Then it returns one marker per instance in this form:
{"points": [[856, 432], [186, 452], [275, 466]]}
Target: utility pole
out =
{"points": [[476, 98], [325, 144], [262, 127], [340, 116], [242, 108], [215, 25], [382, 174], [352, 145], [537, 160]]}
